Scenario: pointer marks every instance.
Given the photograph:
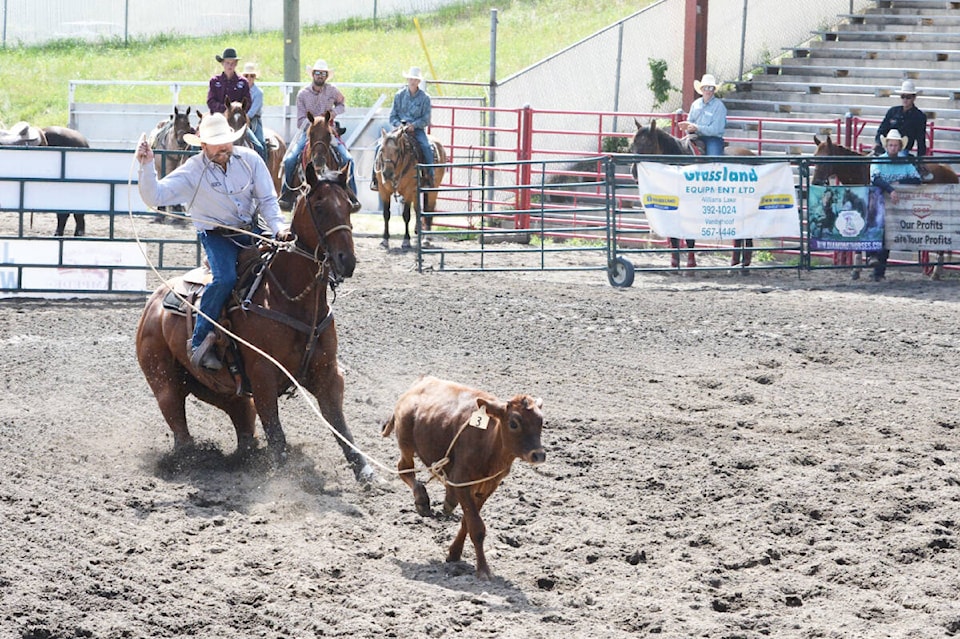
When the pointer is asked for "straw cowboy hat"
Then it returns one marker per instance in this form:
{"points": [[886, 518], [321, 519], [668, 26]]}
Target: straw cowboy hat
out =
{"points": [[320, 65], [228, 54], [250, 68], [892, 134], [414, 74], [706, 81], [214, 130], [908, 88]]}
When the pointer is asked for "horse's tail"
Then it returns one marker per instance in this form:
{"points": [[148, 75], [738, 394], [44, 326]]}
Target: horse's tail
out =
{"points": [[387, 427]]}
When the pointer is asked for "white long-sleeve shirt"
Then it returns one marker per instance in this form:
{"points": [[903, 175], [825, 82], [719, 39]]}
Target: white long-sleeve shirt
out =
{"points": [[215, 197]]}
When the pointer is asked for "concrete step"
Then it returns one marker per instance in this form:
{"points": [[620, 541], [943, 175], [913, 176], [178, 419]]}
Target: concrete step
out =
{"points": [[900, 20], [850, 33], [779, 104], [808, 69], [856, 87], [918, 4]]}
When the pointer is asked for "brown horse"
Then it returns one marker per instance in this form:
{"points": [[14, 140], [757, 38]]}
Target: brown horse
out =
{"points": [[285, 315], [396, 171], [318, 151], [276, 147], [63, 137], [859, 173], [167, 140], [651, 140]]}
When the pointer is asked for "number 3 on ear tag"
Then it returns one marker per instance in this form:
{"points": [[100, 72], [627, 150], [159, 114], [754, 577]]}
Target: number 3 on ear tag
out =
{"points": [[479, 418]]}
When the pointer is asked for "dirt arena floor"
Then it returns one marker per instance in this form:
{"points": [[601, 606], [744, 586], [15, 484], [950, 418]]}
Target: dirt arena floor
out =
{"points": [[727, 456]]}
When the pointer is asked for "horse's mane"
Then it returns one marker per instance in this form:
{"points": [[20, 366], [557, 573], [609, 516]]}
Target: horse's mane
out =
{"points": [[668, 144]]}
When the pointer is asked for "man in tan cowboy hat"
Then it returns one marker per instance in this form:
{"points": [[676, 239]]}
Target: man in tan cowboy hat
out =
{"points": [[411, 110], [885, 173], [318, 98], [227, 188], [906, 118], [227, 87]]}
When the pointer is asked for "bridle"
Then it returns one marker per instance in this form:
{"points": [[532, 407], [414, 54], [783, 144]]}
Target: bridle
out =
{"points": [[400, 163], [320, 255]]}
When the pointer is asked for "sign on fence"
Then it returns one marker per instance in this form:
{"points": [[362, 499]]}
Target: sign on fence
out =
{"points": [[927, 218], [719, 201], [845, 218], [42, 269]]}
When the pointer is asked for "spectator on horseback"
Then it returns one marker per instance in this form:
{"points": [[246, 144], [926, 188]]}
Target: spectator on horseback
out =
{"points": [[227, 87], [910, 122], [885, 174], [411, 110], [255, 110], [318, 98], [228, 188], [708, 116]]}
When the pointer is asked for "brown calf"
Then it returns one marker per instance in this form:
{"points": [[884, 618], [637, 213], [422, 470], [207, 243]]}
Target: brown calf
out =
{"points": [[478, 434]]}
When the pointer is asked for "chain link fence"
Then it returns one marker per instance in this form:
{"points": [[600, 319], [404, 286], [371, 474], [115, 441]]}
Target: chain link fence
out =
{"points": [[32, 22], [610, 70]]}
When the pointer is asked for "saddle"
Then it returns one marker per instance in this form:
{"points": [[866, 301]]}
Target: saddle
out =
{"points": [[21, 134], [187, 289]]}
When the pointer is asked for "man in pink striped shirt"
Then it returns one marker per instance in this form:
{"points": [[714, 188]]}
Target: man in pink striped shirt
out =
{"points": [[318, 97]]}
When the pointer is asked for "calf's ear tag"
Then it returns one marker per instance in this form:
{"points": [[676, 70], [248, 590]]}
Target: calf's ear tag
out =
{"points": [[479, 418]]}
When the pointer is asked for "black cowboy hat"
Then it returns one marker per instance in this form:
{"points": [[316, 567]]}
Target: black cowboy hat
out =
{"points": [[228, 54]]}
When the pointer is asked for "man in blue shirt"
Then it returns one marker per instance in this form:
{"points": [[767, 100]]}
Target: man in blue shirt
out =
{"points": [[708, 116], [884, 175], [411, 109]]}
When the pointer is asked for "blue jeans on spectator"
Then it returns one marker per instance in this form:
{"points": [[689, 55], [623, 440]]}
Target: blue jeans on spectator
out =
{"points": [[713, 144], [295, 150], [222, 251], [256, 128]]}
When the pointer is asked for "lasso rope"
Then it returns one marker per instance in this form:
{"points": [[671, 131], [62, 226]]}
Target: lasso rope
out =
{"points": [[435, 469]]}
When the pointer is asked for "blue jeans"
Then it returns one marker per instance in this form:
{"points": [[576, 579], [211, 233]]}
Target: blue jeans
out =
{"points": [[222, 252], [256, 128], [295, 150], [713, 144]]}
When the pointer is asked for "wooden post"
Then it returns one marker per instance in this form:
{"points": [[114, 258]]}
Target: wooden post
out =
{"points": [[694, 48]]}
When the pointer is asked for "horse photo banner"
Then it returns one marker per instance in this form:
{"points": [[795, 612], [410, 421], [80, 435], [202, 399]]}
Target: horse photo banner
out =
{"points": [[845, 218], [927, 218], [719, 201]]}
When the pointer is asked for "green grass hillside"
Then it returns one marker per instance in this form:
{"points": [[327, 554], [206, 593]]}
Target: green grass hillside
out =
{"points": [[34, 80]]}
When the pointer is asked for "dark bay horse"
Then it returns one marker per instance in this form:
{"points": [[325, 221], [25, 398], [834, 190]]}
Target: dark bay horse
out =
{"points": [[276, 148], [859, 173], [286, 315], [319, 151], [396, 170], [651, 140], [59, 136]]}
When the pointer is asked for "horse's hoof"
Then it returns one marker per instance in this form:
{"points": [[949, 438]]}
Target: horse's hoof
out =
{"points": [[385, 244], [366, 476], [406, 244], [855, 275]]}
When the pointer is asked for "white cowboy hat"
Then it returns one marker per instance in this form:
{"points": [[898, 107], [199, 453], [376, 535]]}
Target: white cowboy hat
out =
{"points": [[320, 65], [228, 54], [706, 81], [250, 68], [908, 88], [214, 130], [894, 134], [414, 74]]}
